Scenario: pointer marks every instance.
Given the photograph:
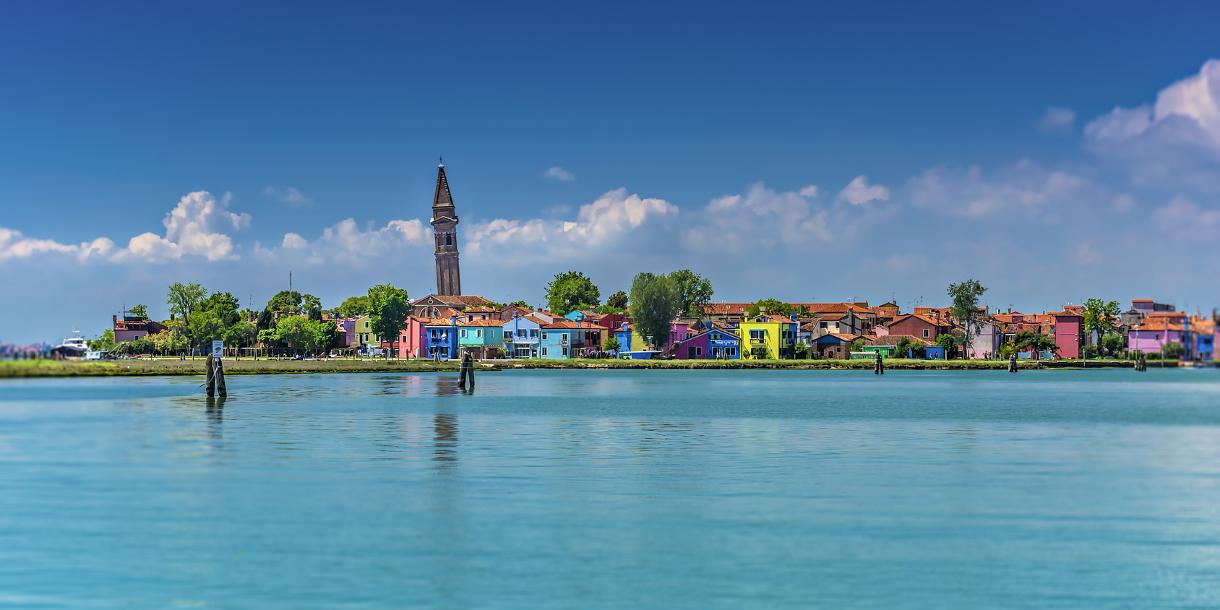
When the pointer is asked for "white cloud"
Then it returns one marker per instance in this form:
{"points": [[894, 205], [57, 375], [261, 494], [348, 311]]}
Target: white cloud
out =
{"points": [[193, 228], [346, 242], [1183, 218], [1023, 187], [289, 195], [1057, 120], [1086, 253], [558, 173], [1196, 98], [598, 227], [859, 192], [759, 218]]}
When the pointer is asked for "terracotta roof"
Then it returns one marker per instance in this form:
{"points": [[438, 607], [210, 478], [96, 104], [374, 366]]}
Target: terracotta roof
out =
{"points": [[564, 323], [481, 322], [720, 309], [461, 300], [848, 337]]}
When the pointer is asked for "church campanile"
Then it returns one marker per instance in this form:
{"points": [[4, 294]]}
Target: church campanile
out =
{"points": [[444, 229]]}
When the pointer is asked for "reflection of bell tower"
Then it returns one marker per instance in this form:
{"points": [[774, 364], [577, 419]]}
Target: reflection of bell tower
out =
{"points": [[444, 229]]}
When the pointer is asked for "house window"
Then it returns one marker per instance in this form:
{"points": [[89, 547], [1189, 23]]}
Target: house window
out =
{"points": [[565, 350], [926, 333], [463, 333], [449, 239], [544, 336], [478, 332], [533, 332], [544, 351], [758, 335]]}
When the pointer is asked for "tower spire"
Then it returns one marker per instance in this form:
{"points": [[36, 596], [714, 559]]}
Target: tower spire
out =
{"points": [[444, 231]]}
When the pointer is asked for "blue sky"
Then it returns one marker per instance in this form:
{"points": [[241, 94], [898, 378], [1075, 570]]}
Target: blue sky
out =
{"points": [[791, 150]]}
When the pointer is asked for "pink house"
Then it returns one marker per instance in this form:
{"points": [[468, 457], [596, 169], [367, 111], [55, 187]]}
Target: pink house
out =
{"points": [[1069, 333], [1157, 330]]}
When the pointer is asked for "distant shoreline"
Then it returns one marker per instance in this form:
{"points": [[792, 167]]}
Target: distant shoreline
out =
{"points": [[167, 366]]}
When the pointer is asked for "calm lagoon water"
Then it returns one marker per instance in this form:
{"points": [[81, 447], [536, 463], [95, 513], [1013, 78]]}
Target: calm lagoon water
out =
{"points": [[623, 489]]}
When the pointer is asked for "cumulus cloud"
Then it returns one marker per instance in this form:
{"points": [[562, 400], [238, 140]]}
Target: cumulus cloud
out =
{"points": [[1023, 187], [1195, 99], [558, 173], [599, 226], [1183, 218], [860, 192], [290, 195], [195, 227], [348, 243], [1057, 120]]}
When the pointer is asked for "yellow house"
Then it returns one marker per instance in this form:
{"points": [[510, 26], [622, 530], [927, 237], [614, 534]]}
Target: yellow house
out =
{"points": [[767, 337], [364, 333]]}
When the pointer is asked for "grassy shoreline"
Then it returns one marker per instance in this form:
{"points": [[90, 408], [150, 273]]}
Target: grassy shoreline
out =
{"points": [[146, 367]]}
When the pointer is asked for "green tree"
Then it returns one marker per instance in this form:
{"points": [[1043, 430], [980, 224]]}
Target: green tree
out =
{"points": [[773, 307], [611, 344], [104, 342], [966, 308], [1172, 350], [224, 305], [618, 300], [520, 303], [950, 342], [204, 327], [1034, 341], [388, 311], [653, 304], [295, 332], [139, 311], [909, 347], [169, 342], [285, 303], [1113, 344], [241, 334], [694, 291], [1100, 317], [569, 291], [353, 307], [322, 335], [311, 307], [184, 298]]}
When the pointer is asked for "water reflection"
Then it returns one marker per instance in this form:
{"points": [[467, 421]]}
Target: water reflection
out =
{"points": [[444, 437], [215, 410]]}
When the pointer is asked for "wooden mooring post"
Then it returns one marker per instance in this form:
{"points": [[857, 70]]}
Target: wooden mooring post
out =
{"points": [[466, 372], [215, 383], [879, 367], [1012, 363]]}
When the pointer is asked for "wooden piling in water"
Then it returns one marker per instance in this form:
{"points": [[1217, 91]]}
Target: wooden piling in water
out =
{"points": [[466, 372]]}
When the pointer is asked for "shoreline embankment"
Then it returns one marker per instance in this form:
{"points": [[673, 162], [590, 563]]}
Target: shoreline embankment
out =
{"points": [[172, 366]]}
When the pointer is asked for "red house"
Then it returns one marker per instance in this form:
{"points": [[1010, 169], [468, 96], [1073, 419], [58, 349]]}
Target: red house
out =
{"points": [[1069, 333], [918, 325]]}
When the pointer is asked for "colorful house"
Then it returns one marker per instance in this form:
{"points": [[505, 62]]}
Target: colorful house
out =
{"points": [[440, 338], [985, 341], [560, 339], [131, 327], [1157, 330], [711, 344], [628, 339], [1069, 333], [522, 336], [482, 337], [834, 346], [767, 337], [363, 330], [919, 325]]}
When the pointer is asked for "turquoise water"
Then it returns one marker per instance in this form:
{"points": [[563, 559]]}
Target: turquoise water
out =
{"points": [[615, 489]]}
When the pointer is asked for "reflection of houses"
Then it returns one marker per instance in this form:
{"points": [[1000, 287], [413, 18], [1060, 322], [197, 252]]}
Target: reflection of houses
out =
{"points": [[132, 327]]}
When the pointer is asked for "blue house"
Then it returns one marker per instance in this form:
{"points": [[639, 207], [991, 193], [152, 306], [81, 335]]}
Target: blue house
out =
{"points": [[934, 352], [560, 339], [440, 339], [522, 337]]}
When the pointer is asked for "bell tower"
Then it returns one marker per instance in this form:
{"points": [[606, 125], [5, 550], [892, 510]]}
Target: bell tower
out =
{"points": [[444, 230]]}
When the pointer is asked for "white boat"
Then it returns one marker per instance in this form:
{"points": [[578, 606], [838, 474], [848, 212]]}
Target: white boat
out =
{"points": [[75, 345]]}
